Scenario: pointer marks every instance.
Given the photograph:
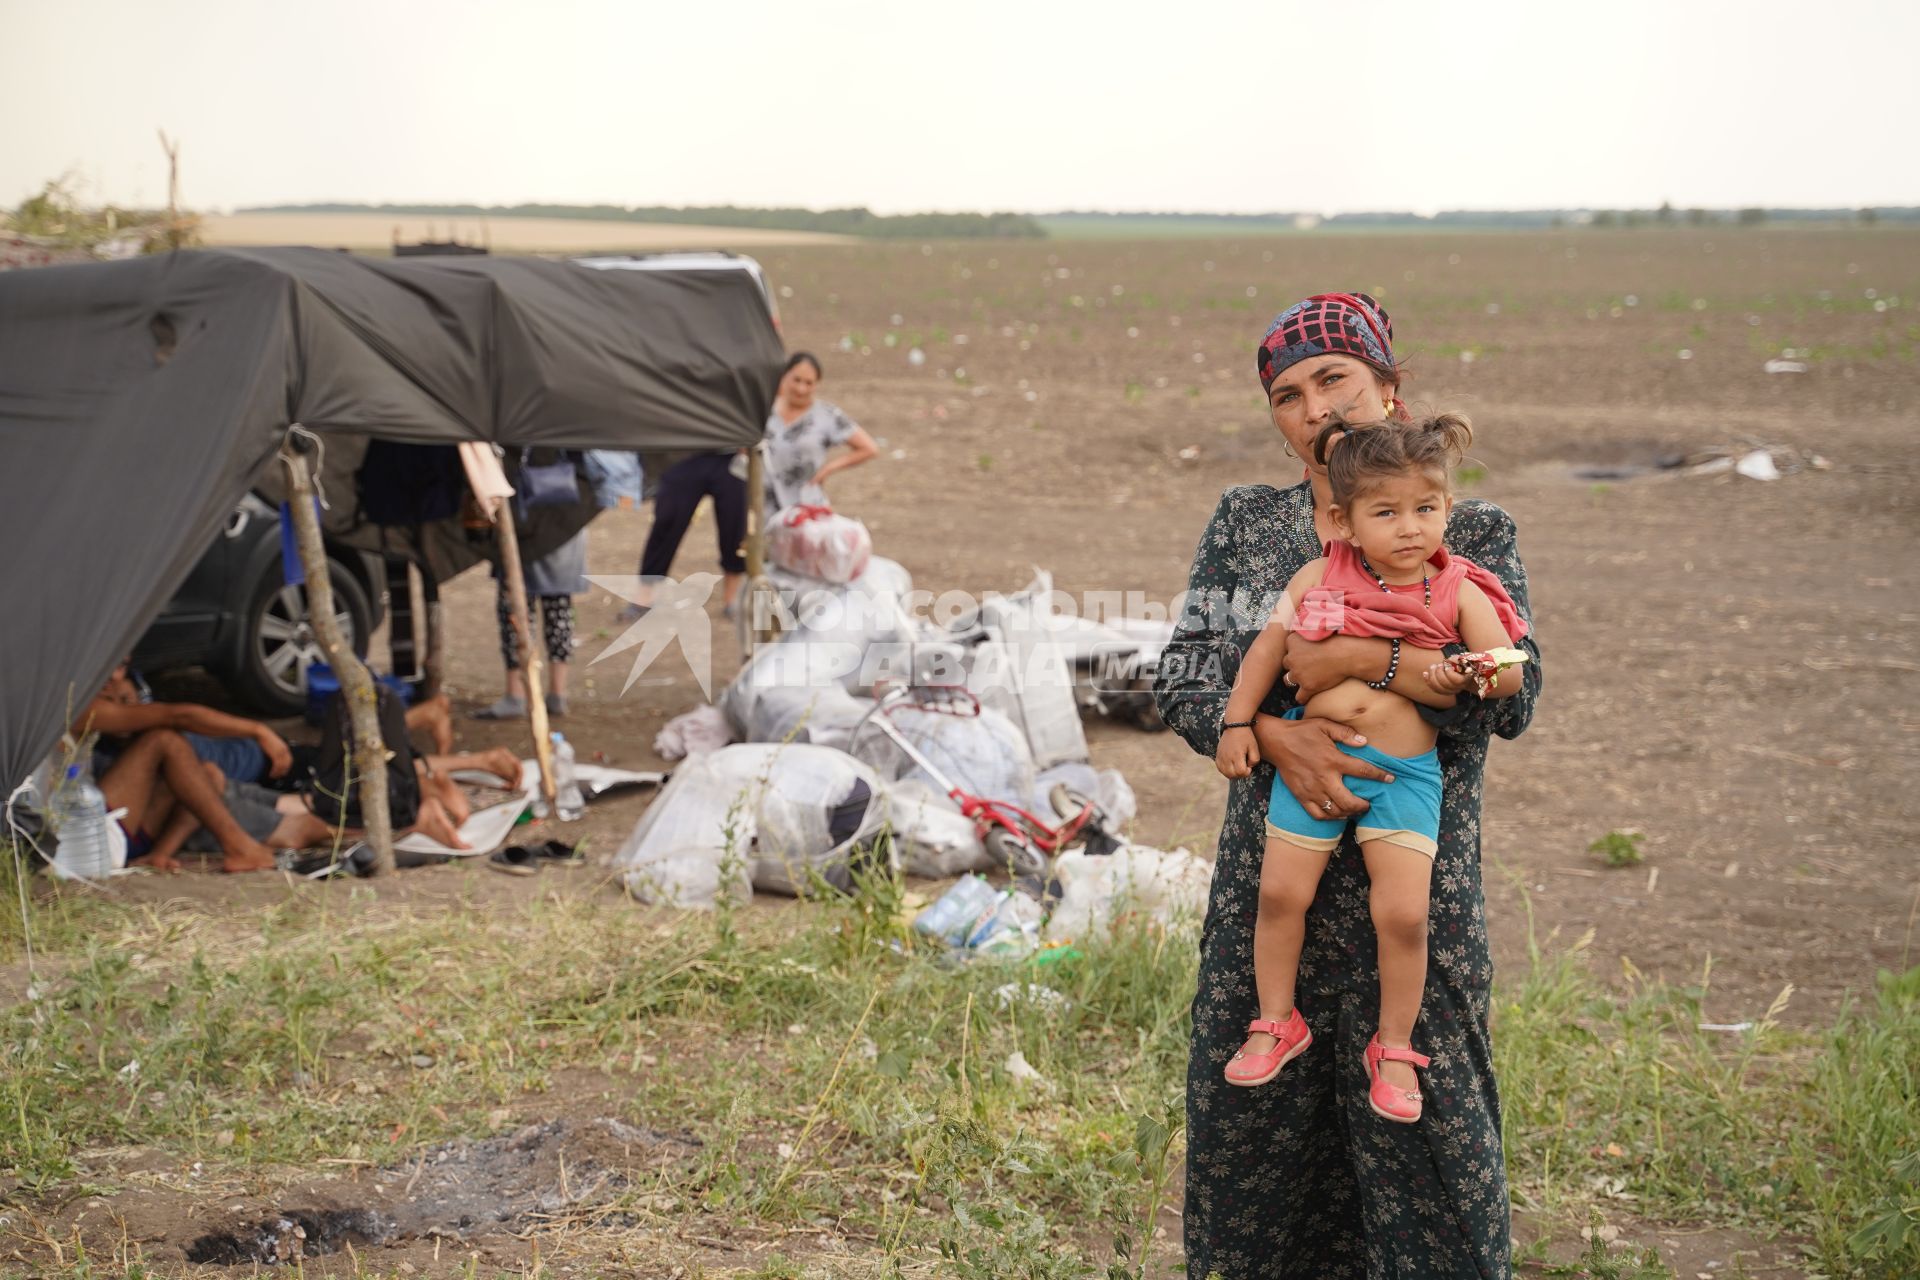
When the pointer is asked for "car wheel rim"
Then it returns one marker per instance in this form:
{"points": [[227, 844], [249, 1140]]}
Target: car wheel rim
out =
{"points": [[287, 643]]}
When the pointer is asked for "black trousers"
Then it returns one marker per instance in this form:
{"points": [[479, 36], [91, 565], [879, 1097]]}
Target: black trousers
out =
{"points": [[681, 488]]}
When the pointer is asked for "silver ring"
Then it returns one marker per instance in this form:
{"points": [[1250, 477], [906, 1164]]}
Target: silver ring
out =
{"points": [[1327, 805]]}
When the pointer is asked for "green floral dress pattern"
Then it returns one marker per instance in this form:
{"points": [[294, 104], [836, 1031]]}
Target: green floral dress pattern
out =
{"points": [[1299, 1177]]}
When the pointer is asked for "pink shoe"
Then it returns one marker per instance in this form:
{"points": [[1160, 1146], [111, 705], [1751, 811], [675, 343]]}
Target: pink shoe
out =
{"points": [[1291, 1039], [1399, 1105]]}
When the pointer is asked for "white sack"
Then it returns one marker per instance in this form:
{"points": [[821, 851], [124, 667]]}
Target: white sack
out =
{"points": [[1134, 882]]}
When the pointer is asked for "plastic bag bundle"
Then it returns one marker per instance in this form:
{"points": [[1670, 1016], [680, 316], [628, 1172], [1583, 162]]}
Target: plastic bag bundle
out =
{"points": [[1025, 669], [692, 733], [814, 542], [985, 755], [824, 716], [933, 838], [1134, 883], [753, 815]]}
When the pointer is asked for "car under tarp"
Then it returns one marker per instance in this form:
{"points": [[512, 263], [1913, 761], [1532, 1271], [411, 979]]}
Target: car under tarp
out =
{"points": [[140, 399]]}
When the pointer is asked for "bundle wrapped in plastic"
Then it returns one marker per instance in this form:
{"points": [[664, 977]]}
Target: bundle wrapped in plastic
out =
{"points": [[851, 636], [692, 733], [825, 716], [933, 837], [814, 542], [985, 755], [1133, 883], [753, 815]]}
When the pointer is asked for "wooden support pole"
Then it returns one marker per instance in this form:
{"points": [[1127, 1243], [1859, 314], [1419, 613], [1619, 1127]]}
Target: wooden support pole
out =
{"points": [[531, 659], [756, 552], [367, 753]]}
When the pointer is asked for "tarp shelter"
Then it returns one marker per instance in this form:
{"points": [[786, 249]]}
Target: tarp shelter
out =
{"points": [[140, 399]]}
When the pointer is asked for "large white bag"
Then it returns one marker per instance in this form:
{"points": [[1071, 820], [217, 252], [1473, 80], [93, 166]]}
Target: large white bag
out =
{"points": [[984, 755], [934, 838], [753, 815], [1132, 883], [814, 542]]}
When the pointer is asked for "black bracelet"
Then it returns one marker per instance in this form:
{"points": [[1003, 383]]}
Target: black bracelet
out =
{"points": [[1393, 668], [1236, 724]]}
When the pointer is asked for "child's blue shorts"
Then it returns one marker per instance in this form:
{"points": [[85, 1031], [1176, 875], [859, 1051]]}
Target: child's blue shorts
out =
{"points": [[1405, 811]]}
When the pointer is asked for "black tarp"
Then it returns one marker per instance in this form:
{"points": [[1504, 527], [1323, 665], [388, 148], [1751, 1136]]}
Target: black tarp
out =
{"points": [[140, 399]]}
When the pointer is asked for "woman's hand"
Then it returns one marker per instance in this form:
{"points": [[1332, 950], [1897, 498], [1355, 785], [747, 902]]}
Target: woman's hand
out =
{"points": [[1238, 753], [1306, 754], [1317, 666]]}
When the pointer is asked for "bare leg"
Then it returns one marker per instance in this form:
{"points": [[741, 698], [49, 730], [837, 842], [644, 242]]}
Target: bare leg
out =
{"points": [[163, 754], [436, 825], [557, 679], [433, 717], [300, 827], [498, 761], [178, 825], [1289, 876], [730, 587], [445, 790], [1401, 879]]}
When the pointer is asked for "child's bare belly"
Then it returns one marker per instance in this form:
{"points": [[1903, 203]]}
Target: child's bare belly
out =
{"points": [[1392, 723]]}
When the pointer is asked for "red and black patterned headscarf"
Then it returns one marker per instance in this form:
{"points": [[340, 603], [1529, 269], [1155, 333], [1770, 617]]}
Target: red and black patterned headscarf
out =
{"points": [[1346, 324]]}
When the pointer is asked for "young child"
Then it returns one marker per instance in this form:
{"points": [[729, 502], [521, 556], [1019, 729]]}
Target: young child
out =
{"points": [[1389, 578]]}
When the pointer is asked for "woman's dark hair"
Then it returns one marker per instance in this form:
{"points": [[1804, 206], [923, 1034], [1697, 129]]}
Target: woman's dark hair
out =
{"points": [[799, 358], [1358, 453]]}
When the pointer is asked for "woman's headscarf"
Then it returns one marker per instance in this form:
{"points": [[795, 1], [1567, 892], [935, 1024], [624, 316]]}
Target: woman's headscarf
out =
{"points": [[1346, 324]]}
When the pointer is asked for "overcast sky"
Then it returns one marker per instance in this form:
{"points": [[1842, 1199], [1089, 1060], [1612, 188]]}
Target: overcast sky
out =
{"points": [[1033, 105]]}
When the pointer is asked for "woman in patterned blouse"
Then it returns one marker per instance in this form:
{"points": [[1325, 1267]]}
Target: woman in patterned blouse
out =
{"points": [[1301, 1178], [802, 431]]}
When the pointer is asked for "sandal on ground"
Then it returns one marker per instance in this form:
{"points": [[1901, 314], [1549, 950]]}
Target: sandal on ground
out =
{"points": [[1291, 1039], [561, 854], [515, 860], [1388, 1102], [505, 709]]}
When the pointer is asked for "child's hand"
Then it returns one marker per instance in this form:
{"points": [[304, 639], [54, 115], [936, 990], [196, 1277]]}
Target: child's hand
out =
{"points": [[1238, 753], [1444, 677]]}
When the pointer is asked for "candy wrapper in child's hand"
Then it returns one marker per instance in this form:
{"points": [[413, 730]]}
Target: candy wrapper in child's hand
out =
{"points": [[1486, 667]]}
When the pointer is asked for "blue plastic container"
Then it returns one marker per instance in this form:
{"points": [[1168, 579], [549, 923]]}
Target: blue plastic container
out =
{"points": [[323, 684]]}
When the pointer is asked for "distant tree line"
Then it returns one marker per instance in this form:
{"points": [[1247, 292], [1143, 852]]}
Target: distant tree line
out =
{"points": [[846, 222], [1665, 215]]}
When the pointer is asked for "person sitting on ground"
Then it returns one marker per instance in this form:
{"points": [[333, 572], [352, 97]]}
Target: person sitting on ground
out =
{"points": [[244, 750], [168, 793], [168, 801], [284, 820], [241, 748]]}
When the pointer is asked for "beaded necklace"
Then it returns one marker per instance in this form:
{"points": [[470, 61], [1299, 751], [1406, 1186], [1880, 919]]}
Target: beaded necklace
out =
{"points": [[1426, 583]]}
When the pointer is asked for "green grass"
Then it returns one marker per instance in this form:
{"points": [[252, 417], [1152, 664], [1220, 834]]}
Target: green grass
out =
{"points": [[273, 1038]]}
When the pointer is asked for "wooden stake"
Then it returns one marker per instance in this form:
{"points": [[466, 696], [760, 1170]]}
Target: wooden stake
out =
{"points": [[367, 754], [531, 660], [756, 550]]}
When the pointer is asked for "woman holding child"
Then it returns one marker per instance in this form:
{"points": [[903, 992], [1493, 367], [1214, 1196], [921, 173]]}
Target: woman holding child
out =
{"points": [[1343, 1119]]}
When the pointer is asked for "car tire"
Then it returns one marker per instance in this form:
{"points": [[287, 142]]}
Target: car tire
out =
{"points": [[277, 643]]}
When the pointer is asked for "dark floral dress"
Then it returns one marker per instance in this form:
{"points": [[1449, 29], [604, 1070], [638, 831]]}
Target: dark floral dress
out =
{"points": [[1299, 1177]]}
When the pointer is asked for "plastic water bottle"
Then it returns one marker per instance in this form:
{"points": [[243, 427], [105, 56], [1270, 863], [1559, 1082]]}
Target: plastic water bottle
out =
{"points": [[79, 818], [954, 914], [568, 803]]}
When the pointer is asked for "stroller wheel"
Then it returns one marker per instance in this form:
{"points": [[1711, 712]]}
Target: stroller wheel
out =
{"points": [[1018, 855]]}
